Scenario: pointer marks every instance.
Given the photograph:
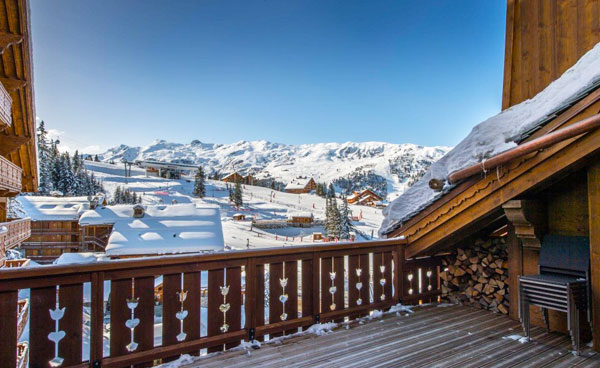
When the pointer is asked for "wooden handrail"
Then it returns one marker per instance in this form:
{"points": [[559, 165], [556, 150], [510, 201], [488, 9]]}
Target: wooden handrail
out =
{"points": [[303, 285]]}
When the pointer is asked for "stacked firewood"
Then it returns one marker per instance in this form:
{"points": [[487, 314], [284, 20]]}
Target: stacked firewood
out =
{"points": [[478, 275]]}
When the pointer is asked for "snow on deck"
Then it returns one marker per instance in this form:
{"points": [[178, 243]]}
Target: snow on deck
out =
{"points": [[455, 336], [41, 208], [164, 229], [495, 135]]}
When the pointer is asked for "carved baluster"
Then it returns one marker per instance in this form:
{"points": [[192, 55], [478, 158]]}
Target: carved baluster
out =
{"points": [[56, 314]]}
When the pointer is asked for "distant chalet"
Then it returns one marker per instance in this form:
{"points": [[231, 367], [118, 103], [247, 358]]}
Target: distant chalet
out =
{"points": [[366, 198], [237, 178], [301, 185]]}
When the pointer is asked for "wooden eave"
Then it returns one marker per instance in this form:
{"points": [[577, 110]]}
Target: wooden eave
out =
{"points": [[476, 202], [17, 142]]}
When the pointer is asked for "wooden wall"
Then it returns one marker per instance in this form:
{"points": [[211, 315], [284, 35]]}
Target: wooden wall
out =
{"points": [[543, 39]]}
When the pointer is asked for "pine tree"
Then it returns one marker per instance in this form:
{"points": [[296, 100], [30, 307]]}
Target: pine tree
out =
{"points": [[44, 165], [199, 183], [346, 226], [96, 158], [237, 195], [331, 191], [332, 219]]}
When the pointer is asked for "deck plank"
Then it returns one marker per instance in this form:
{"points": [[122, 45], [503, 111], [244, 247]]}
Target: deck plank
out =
{"points": [[454, 336]]}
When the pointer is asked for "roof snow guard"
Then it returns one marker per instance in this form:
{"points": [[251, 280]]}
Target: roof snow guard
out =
{"points": [[496, 135]]}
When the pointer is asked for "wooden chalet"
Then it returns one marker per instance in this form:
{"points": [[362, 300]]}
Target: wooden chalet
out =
{"points": [[168, 170], [510, 207], [238, 178], [301, 218], [365, 198], [301, 185], [550, 182], [18, 167]]}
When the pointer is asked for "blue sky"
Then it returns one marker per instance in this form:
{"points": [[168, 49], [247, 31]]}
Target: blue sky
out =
{"points": [[131, 71]]}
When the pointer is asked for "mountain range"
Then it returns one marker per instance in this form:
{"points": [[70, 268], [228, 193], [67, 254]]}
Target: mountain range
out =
{"points": [[385, 167]]}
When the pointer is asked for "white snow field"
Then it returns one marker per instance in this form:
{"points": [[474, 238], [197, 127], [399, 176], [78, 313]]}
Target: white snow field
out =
{"points": [[261, 203]]}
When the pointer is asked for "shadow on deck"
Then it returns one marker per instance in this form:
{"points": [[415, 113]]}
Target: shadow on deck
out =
{"points": [[453, 336]]}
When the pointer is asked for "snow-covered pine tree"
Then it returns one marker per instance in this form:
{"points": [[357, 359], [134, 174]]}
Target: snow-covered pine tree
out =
{"points": [[237, 194], [199, 183], [346, 226], [117, 195], [45, 164], [332, 219], [331, 191]]}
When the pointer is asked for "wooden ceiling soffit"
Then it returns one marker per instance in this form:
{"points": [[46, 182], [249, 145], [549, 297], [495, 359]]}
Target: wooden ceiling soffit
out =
{"points": [[496, 189], [529, 220], [13, 84]]}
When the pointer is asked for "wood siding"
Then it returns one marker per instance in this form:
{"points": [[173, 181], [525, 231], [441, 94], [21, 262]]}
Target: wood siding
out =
{"points": [[544, 39]]}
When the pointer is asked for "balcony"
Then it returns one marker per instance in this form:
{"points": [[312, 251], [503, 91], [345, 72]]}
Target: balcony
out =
{"points": [[16, 263], [5, 109], [17, 232], [10, 178]]}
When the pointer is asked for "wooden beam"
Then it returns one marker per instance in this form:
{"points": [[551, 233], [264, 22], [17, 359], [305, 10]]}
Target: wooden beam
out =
{"points": [[12, 84], [524, 177], [7, 39], [593, 179]]}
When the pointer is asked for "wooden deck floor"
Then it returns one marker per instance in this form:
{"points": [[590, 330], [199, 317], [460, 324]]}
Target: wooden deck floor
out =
{"points": [[452, 336]]}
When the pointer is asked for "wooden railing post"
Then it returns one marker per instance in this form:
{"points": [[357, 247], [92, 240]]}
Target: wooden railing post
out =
{"points": [[250, 302], [399, 259], [97, 320], [316, 278]]}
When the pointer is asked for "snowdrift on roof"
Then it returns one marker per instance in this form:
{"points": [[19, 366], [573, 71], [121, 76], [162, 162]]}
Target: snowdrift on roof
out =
{"points": [[496, 135], [41, 208], [164, 229]]}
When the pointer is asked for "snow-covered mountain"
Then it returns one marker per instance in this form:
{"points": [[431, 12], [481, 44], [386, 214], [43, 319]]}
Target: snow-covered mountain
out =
{"points": [[385, 167]]}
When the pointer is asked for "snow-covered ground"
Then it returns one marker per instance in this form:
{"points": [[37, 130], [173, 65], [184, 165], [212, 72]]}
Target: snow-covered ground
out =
{"points": [[261, 203]]}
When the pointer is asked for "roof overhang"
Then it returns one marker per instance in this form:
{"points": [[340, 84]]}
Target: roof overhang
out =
{"points": [[478, 200], [17, 142]]}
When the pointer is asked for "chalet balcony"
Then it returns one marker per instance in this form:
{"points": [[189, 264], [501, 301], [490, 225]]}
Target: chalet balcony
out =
{"points": [[16, 263], [10, 178], [215, 302], [17, 232], [5, 109]]}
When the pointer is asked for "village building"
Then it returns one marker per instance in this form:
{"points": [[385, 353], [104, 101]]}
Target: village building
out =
{"points": [[157, 229], [538, 187], [168, 170], [235, 177], [239, 217], [301, 185], [366, 197], [300, 218]]}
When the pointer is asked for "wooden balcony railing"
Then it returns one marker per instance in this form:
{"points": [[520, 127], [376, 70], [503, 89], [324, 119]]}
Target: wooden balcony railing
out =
{"points": [[22, 316], [15, 263], [22, 354], [10, 178], [241, 295], [5, 108], [18, 231]]}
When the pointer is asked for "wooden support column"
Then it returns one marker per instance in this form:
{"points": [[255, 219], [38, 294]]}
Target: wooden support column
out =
{"points": [[515, 268], [593, 181]]}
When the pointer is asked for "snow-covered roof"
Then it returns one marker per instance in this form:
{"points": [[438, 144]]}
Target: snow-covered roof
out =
{"points": [[298, 183], [291, 214], [82, 257], [41, 208], [164, 229], [498, 134]]}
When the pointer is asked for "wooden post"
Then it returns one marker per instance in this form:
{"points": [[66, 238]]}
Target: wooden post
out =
{"points": [[399, 256], [250, 306], [593, 178], [316, 290], [515, 268], [97, 319]]}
